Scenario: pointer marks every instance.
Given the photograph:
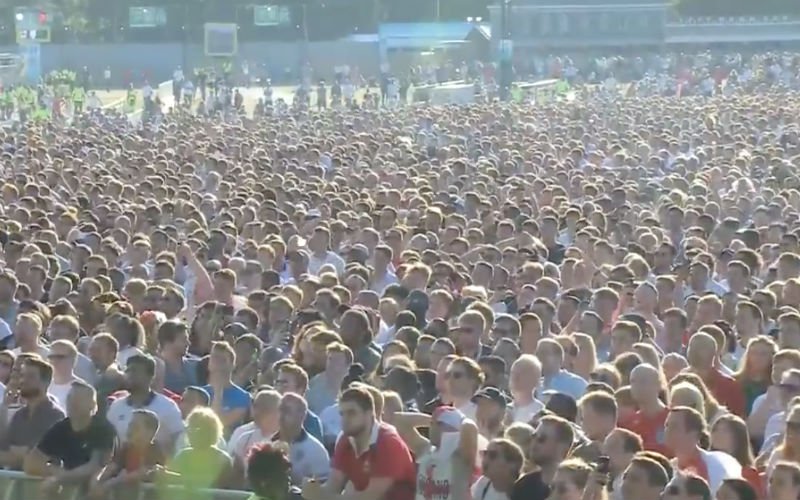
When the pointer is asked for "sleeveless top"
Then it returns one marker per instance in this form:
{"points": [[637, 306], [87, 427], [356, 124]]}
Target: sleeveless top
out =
{"points": [[442, 476]]}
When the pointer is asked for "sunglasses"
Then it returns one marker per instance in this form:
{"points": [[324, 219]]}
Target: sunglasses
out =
{"points": [[491, 454], [58, 356]]}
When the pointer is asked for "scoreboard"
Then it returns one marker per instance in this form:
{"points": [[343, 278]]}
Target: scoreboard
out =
{"points": [[32, 25]]}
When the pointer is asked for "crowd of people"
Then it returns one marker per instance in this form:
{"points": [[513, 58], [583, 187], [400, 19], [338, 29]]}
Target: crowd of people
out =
{"points": [[596, 297]]}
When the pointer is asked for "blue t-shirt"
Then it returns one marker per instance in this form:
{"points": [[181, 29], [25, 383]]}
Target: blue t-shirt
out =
{"points": [[312, 425], [233, 397]]}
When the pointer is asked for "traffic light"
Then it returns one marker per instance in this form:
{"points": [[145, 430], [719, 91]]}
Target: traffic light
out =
{"points": [[42, 18]]}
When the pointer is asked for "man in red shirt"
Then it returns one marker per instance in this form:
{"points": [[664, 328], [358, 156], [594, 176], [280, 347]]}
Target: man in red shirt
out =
{"points": [[369, 455], [648, 421], [701, 354], [684, 429]]}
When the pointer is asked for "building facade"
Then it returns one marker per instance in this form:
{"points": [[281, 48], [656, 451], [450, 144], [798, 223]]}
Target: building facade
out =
{"points": [[550, 24]]}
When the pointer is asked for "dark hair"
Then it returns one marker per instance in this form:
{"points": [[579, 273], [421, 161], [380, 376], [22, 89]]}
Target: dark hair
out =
{"points": [[743, 489], [563, 405], [200, 392], [657, 476], [267, 465], [169, 331], [661, 459], [360, 396], [696, 486], [145, 361], [44, 368]]}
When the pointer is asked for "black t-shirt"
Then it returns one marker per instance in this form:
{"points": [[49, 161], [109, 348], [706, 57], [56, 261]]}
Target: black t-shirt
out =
{"points": [[73, 449], [530, 487]]}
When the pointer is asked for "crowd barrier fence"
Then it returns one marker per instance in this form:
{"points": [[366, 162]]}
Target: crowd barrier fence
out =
{"points": [[16, 485]]}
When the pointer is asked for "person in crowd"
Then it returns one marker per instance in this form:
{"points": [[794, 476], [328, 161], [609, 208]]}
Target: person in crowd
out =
{"points": [[685, 432], [524, 379], [202, 465], [598, 418], [139, 373], [701, 354], [264, 425], [293, 378], [269, 468], [552, 442], [644, 479], [393, 476], [790, 389], [308, 455], [773, 401], [736, 489], [463, 379], [648, 420], [63, 356], [67, 328], [502, 466], [787, 449], [228, 400], [74, 450], [784, 481], [180, 371], [621, 446], [491, 412], [324, 388], [446, 254], [686, 485], [28, 425], [729, 434], [554, 376], [108, 379], [27, 335], [135, 461]]}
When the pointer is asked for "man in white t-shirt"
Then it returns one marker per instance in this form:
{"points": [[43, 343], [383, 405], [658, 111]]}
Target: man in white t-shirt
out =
{"points": [[319, 245], [263, 426], [63, 355], [139, 374], [524, 378], [308, 456]]}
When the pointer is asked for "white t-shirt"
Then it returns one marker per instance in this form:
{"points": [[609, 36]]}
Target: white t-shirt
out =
{"points": [[469, 409], [525, 413], [169, 417], [124, 354], [315, 263], [244, 441], [60, 392], [483, 490]]}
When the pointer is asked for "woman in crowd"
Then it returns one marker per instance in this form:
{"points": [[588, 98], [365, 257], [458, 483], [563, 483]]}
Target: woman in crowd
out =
{"points": [[202, 465], [755, 374], [729, 434]]}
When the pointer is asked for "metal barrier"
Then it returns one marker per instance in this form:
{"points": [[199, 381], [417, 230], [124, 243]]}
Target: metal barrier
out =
{"points": [[16, 485]]}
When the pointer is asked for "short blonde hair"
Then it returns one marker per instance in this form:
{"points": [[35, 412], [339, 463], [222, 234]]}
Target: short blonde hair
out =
{"points": [[204, 428]]}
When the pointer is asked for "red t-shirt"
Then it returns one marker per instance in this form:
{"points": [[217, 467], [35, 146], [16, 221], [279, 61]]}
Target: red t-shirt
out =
{"points": [[694, 464], [728, 391], [751, 475], [651, 429], [387, 456]]}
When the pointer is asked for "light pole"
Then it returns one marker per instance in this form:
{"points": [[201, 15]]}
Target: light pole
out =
{"points": [[506, 51]]}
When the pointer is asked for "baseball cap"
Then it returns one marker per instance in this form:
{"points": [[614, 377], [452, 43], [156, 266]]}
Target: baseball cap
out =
{"points": [[492, 394]]}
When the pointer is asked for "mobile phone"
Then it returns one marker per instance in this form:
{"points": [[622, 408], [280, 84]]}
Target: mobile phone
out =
{"points": [[603, 464]]}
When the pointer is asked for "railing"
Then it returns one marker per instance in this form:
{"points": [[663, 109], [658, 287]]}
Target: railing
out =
{"points": [[19, 486]]}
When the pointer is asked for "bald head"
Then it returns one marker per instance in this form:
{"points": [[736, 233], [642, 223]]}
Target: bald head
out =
{"points": [[701, 351]]}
